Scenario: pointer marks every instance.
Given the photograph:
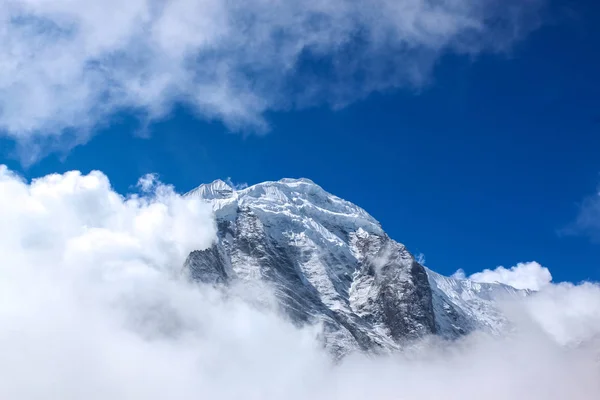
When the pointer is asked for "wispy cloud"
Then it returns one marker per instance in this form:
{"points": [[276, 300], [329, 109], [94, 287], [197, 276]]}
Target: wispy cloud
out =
{"points": [[420, 258], [67, 65], [236, 186], [587, 222]]}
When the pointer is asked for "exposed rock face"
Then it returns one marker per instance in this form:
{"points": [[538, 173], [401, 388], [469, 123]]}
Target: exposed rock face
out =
{"points": [[329, 261], [207, 266]]}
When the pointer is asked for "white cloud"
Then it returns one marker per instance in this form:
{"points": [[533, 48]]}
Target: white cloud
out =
{"points": [[528, 275], [236, 186], [67, 65], [62, 218], [420, 258], [148, 182], [587, 222], [569, 313], [92, 306], [459, 274]]}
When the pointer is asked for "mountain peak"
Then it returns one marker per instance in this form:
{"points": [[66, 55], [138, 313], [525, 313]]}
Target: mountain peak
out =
{"points": [[300, 197], [328, 261], [218, 189]]}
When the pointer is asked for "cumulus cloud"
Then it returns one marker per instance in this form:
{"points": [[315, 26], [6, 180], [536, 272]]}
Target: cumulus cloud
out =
{"points": [[528, 275], [93, 305], [68, 65]]}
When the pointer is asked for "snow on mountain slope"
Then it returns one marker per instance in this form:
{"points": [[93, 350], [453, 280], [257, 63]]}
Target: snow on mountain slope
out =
{"points": [[328, 261], [462, 305]]}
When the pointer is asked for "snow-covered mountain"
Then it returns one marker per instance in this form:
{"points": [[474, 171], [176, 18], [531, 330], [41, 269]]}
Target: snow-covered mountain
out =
{"points": [[328, 261]]}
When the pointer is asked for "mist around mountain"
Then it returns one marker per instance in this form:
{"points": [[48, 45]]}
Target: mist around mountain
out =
{"points": [[328, 261], [279, 290]]}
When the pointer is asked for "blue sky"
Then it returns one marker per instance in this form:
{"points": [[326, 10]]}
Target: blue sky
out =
{"points": [[484, 165]]}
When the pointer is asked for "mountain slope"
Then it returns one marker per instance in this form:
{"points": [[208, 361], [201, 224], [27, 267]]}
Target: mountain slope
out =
{"points": [[328, 261]]}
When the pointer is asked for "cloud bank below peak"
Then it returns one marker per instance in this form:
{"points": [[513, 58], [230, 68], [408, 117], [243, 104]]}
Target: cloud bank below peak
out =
{"points": [[69, 65], [93, 306]]}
